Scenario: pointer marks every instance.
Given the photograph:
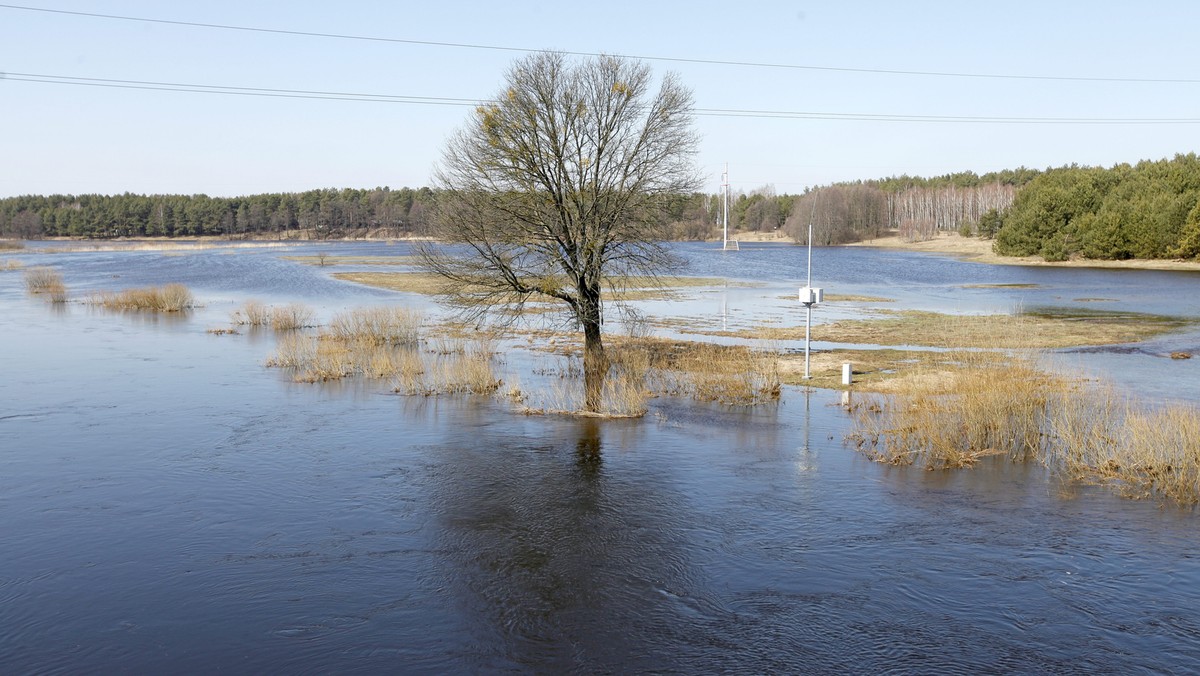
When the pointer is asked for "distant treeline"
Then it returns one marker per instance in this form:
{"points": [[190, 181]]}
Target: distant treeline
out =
{"points": [[321, 213], [1150, 210], [843, 212]]}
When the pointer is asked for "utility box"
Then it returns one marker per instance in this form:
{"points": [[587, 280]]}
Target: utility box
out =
{"points": [[811, 296]]}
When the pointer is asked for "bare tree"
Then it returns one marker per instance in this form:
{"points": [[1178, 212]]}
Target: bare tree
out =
{"points": [[558, 189]]}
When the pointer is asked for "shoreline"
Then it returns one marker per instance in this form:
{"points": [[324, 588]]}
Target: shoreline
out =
{"points": [[978, 250]]}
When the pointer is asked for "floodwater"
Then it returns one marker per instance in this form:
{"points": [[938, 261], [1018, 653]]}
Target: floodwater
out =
{"points": [[167, 504]]}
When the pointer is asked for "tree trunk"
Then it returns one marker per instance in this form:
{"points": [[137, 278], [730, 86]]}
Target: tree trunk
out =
{"points": [[595, 366]]}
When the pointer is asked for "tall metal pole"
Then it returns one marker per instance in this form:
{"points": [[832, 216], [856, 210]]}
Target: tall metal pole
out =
{"points": [[808, 308], [725, 210]]}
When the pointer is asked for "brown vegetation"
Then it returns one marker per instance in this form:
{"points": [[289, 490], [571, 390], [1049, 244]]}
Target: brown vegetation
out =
{"points": [[47, 282], [169, 298], [11, 245], [280, 318], [1048, 329], [1081, 431]]}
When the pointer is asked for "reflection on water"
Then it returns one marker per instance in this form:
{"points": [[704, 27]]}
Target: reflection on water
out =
{"points": [[168, 504]]}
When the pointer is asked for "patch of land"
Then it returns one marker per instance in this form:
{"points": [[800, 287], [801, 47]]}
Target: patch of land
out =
{"points": [[637, 288], [980, 251], [1045, 329], [352, 260]]}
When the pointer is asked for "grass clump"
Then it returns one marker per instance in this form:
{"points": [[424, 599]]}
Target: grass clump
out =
{"points": [[280, 318], [641, 368], [47, 282], [952, 419], [11, 264], [1097, 437], [1049, 328], [1081, 431], [11, 245], [466, 371], [169, 298], [377, 325]]}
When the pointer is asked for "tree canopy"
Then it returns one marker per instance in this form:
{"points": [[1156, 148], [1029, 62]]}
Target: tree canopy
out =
{"points": [[1147, 210], [560, 187]]}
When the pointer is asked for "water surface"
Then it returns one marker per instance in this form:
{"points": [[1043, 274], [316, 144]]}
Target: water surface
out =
{"points": [[168, 504]]}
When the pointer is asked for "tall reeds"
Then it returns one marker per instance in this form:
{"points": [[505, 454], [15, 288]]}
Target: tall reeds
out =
{"points": [[168, 298], [986, 408], [280, 318], [11, 245], [377, 325], [1081, 431], [384, 343], [47, 282]]}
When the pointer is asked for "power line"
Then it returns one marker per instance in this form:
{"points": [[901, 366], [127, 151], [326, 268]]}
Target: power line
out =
{"points": [[668, 59], [452, 101]]}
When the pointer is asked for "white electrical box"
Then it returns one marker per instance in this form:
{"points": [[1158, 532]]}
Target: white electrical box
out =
{"points": [[811, 296]]}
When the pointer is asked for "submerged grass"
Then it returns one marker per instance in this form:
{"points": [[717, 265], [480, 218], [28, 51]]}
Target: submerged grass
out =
{"points": [[280, 318], [953, 419], [377, 325], [1049, 328], [635, 288], [1008, 407], [384, 343], [644, 367], [47, 282], [10, 264], [169, 298]]}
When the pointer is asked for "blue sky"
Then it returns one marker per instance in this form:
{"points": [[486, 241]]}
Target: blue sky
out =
{"points": [[60, 138]]}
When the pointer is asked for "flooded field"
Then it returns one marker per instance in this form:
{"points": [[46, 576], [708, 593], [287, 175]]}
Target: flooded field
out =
{"points": [[169, 504]]}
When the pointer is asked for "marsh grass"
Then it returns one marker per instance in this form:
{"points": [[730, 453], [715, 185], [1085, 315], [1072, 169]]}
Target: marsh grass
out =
{"points": [[279, 318], [41, 279], [471, 371], [168, 298], [1048, 328], [11, 245], [1098, 437], [384, 343], [46, 282], [11, 264], [956, 418], [377, 325], [1082, 431], [642, 368]]}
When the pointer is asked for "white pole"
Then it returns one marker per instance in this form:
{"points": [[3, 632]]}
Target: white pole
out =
{"points": [[808, 308], [807, 333], [725, 211]]}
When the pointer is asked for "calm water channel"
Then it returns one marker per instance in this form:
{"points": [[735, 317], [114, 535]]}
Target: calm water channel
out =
{"points": [[167, 504]]}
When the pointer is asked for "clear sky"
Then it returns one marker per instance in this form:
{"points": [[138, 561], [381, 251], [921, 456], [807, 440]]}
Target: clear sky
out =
{"points": [[70, 138]]}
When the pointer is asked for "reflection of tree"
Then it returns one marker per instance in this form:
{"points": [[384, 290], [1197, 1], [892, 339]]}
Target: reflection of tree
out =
{"points": [[556, 562], [588, 446]]}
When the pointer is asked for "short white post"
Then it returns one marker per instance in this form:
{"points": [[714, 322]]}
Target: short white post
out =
{"points": [[847, 376]]}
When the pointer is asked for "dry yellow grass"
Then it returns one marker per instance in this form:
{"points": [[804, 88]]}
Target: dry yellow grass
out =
{"points": [[168, 298], [40, 279], [280, 318], [954, 419], [642, 367], [377, 325], [11, 245], [636, 288], [932, 329], [1097, 436]]}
